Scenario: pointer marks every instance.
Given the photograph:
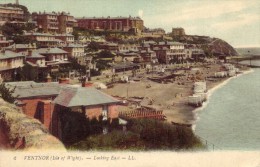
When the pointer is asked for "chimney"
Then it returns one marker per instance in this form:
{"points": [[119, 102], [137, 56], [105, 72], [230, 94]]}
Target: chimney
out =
{"points": [[64, 80], [48, 78], [85, 83], [30, 52], [3, 51]]}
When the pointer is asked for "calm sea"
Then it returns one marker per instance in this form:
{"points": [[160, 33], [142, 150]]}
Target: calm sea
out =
{"points": [[231, 120], [249, 51]]}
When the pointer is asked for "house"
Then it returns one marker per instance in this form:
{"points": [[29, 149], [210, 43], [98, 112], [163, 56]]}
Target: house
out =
{"points": [[4, 42], [54, 58], [178, 31], [34, 58], [157, 32], [74, 50], [43, 39], [11, 14], [176, 53], [111, 23], [112, 47], [21, 47], [47, 102], [128, 48], [9, 63], [126, 56], [194, 53], [54, 22], [148, 56], [65, 38]]}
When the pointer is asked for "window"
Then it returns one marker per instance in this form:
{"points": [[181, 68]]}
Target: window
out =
{"points": [[104, 111]]}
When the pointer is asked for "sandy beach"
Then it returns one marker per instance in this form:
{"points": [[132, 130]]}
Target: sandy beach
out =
{"points": [[172, 98]]}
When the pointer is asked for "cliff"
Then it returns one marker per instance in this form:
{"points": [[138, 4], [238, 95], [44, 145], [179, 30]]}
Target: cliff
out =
{"points": [[19, 132], [211, 46]]}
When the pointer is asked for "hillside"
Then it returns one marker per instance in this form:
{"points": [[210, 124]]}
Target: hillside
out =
{"points": [[19, 132], [211, 46]]}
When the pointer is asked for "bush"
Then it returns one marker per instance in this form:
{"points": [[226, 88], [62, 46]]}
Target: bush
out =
{"points": [[162, 135], [143, 134], [116, 140], [7, 93]]}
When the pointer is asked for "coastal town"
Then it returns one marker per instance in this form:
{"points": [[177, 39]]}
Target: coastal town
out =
{"points": [[87, 76]]}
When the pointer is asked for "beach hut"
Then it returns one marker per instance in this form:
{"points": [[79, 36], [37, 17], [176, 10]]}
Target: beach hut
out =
{"points": [[195, 100], [199, 87], [231, 73]]}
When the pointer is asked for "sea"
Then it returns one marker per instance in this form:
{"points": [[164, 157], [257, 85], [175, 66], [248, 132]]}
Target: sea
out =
{"points": [[230, 120]]}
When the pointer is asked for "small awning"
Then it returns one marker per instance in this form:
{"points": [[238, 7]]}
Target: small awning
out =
{"points": [[122, 122]]}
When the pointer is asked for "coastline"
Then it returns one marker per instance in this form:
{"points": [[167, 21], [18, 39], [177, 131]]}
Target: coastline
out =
{"points": [[212, 90], [172, 98]]}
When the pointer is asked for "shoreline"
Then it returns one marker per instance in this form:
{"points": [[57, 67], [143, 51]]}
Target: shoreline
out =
{"points": [[172, 98], [210, 93]]}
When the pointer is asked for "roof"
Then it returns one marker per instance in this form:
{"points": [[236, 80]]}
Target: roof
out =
{"points": [[19, 46], [81, 96], [64, 35], [50, 51], [95, 18], [57, 62], [72, 45], [37, 34], [28, 89], [128, 53], [10, 8], [176, 43], [9, 54], [156, 48], [149, 42], [35, 55], [109, 44]]}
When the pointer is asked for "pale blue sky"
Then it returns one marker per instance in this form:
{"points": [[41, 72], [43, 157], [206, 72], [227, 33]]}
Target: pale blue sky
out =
{"points": [[236, 21]]}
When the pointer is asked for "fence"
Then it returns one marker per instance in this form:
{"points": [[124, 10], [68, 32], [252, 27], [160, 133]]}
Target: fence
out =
{"points": [[142, 113], [209, 145]]}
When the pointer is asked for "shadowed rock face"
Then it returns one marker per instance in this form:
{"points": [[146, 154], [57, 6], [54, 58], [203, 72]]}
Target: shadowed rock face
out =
{"points": [[19, 132], [211, 46], [220, 47]]}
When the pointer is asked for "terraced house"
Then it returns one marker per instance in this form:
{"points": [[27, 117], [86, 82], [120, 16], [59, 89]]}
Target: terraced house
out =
{"points": [[9, 63], [55, 22], [10, 14], [123, 24]]}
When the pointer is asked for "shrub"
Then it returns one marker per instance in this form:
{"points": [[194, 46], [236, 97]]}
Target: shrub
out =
{"points": [[143, 134]]}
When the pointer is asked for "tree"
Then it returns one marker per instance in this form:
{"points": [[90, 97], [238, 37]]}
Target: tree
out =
{"points": [[6, 93], [75, 33], [15, 32], [93, 46], [74, 65], [105, 54]]}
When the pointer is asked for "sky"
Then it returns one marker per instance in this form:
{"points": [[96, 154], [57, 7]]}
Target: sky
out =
{"points": [[235, 21]]}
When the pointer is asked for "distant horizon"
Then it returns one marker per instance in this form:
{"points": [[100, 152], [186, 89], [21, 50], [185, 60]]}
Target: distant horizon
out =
{"points": [[235, 21], [245, 46]]}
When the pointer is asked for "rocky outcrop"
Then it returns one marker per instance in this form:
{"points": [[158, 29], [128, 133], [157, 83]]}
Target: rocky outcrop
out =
{"points": [[211, 46], [220, 47], [19, 132]]}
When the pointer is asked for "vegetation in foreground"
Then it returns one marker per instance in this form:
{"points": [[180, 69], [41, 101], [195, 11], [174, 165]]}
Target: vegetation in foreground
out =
{"points": [[142, 135]]}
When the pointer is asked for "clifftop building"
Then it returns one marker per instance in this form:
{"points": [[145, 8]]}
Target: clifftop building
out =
{"points": [[54, 22], [178, 32], [111, 23], [11, 14]]}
